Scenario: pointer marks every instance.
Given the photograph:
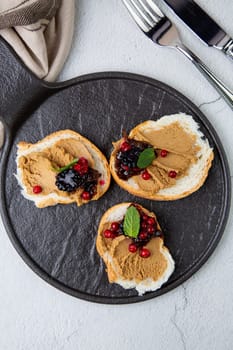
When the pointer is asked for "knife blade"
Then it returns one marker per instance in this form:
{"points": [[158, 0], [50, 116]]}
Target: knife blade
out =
{"points": [[202, 24]]}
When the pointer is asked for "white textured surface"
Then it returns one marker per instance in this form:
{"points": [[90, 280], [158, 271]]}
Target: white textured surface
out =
{"points": [[196, 315]]}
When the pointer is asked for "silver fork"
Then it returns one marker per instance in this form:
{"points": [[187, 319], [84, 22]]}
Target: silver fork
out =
{"points": [[163, 32]]}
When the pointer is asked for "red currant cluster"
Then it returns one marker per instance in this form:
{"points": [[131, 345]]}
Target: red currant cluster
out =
{"points": [[127, 156], [148, 230], [81, 166]]}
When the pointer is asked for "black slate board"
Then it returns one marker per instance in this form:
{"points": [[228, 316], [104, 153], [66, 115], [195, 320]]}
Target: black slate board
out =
{"points": [[58, 243]]}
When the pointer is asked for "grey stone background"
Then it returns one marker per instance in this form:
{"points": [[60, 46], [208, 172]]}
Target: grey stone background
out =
{"points": [[196, 315]]}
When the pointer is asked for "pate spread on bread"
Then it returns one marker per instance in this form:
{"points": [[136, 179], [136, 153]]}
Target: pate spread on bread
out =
{"points": [[179, 158], [63, 167], [135, 258]]}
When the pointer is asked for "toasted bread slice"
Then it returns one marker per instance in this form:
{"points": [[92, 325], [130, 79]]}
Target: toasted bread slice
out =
{"points": [[183, 186], [129, 269], [69, 145]]}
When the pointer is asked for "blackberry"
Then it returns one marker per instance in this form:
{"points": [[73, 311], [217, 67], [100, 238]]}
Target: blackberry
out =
{"points": [[123, 174], [125, 160], [92, 175], [129, 158], [90, 187], [91, 181], [135, 152], [119, 155], [69, 180]]}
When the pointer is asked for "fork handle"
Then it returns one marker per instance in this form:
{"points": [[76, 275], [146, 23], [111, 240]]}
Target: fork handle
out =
{"points": [[218, 84]]}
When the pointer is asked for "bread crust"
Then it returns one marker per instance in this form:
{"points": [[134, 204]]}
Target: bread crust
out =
{"points": [[159, 196], [116, 213], [42, 201]]}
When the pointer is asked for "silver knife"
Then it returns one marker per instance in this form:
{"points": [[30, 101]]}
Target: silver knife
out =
{"points": [[203, 25]]}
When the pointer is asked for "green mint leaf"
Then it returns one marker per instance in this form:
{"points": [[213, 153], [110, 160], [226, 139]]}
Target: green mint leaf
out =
{"points": [[59, 170], [131, 224], [146, 158]]}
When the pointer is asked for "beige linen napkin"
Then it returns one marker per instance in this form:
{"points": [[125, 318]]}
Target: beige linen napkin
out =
{"points": [[40, 32]]}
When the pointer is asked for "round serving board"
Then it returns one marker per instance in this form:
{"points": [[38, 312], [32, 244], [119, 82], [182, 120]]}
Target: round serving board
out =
{"points": [[58, 242]]}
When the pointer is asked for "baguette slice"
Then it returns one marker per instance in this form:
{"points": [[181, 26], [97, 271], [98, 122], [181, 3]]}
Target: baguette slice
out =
{"points": [[161, 262], [54, 197], [197, 172]]}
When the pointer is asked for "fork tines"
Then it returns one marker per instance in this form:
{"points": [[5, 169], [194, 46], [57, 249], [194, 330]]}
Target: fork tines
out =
{"points": [[145, 13]]}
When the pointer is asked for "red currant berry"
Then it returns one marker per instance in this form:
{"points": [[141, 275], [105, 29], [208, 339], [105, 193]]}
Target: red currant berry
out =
{"points": [[151, 221], [144, 253], [114, 235], [83, 161], [151, 229], [144, 217], [144, 224], [145, 175], [163, 153], [125, 146], [102, 182], [142, 235], [37, 189], [132, 248], [107, 234], [172, 174], [115, 226], [77, 167], [86, 196], [83, 170]]}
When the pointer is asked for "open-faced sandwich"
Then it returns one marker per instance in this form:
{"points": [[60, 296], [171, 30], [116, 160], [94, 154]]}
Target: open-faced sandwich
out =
{"points": [[131, 243], [165, 159], [64, 167]]}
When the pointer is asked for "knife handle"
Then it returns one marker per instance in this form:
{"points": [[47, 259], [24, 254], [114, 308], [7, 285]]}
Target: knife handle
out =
{"points": [[218, 84]]}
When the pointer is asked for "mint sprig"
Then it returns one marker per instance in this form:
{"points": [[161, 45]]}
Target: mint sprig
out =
{"points": [[131, 224], [146, 158], [68, 166]]}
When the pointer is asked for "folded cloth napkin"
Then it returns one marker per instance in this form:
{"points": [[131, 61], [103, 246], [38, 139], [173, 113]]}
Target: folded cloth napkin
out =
{"points": [[40, 31]]}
